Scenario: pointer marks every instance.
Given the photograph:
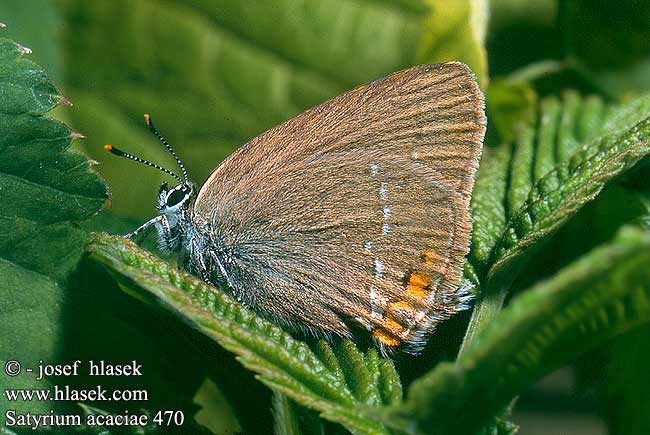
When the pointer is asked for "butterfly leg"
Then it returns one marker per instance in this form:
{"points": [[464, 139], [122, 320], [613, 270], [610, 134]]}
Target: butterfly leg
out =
{"points": [[203, 269], [145, 226], [197, 260], [165, 234], [224, 274]]}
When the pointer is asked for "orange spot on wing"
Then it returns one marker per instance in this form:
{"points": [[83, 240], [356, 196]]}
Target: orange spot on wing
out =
{"points": [[418, 285], [401, 306], [419, 279], [435, 262], [417, 292], [389, 332], [429, 256], [385, 338], [393, 326]]}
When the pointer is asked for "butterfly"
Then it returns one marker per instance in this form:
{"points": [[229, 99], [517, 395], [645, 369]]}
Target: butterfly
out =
{"points": [[354, 212]]}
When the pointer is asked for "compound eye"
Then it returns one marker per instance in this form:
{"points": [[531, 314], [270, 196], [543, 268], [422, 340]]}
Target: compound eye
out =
{"points": [[175, 197]]}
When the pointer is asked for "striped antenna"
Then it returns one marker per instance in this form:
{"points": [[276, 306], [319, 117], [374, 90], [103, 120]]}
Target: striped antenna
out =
{"points": [[118, 152], [152, 128]]}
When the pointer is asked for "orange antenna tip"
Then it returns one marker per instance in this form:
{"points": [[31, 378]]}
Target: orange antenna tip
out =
{"points": [[108, 147], [147, 118]]}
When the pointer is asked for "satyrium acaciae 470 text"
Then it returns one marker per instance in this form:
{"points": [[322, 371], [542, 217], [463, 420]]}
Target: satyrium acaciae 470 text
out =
{"points": [[353, 212]]}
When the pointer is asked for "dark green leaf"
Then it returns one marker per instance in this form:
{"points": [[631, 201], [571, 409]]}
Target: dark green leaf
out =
{"points": [[605, 293], [559, 163], [332, 381], [284, 415], [45, 188], [626, 389], [569, 184], [562, 157], [488, 204]]}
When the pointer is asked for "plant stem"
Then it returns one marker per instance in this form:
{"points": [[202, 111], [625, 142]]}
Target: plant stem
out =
{"points": [[537, 70], [487, 308]]}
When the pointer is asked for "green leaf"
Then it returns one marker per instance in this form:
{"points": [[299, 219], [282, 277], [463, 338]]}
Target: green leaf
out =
{"points": [[456, 31], [561, 159], [215, 411], [330, 380], [46, 188], [214, 74], [25, 87], [626, 390], [285, 418], [557, 164], [511, 105], [615, 374], [563, 185], [488, 208], [605, 293]]}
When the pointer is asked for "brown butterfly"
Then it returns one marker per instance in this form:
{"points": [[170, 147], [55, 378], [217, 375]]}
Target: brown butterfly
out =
{"points": [[355, 211]]}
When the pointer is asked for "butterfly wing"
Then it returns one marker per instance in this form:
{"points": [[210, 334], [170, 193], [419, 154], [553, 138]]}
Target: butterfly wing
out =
{"points": [[355, 210]]}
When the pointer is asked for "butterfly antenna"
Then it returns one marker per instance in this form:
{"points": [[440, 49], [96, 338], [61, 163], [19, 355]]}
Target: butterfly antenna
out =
{"points": [[121, 153], [152, 128]]}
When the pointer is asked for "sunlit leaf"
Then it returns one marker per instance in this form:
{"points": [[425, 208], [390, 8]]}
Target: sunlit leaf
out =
{"points": [[562, 184], [45, 189]]}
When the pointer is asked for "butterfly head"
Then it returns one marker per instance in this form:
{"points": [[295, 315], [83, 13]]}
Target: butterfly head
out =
{"points": [[175, 199], [173, 202]]}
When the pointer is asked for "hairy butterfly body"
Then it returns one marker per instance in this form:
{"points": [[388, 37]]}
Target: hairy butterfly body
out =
{"points": [[355, 211]]}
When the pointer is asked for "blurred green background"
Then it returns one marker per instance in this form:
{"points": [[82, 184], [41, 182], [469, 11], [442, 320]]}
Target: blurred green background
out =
{"points": [[213, 74]]}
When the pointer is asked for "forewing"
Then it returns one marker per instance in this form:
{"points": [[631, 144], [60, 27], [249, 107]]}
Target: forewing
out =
{"points": [[356, 209]]}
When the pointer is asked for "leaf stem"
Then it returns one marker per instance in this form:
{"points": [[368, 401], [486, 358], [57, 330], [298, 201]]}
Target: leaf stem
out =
{"points": [[487, 308], [537, 70]]}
